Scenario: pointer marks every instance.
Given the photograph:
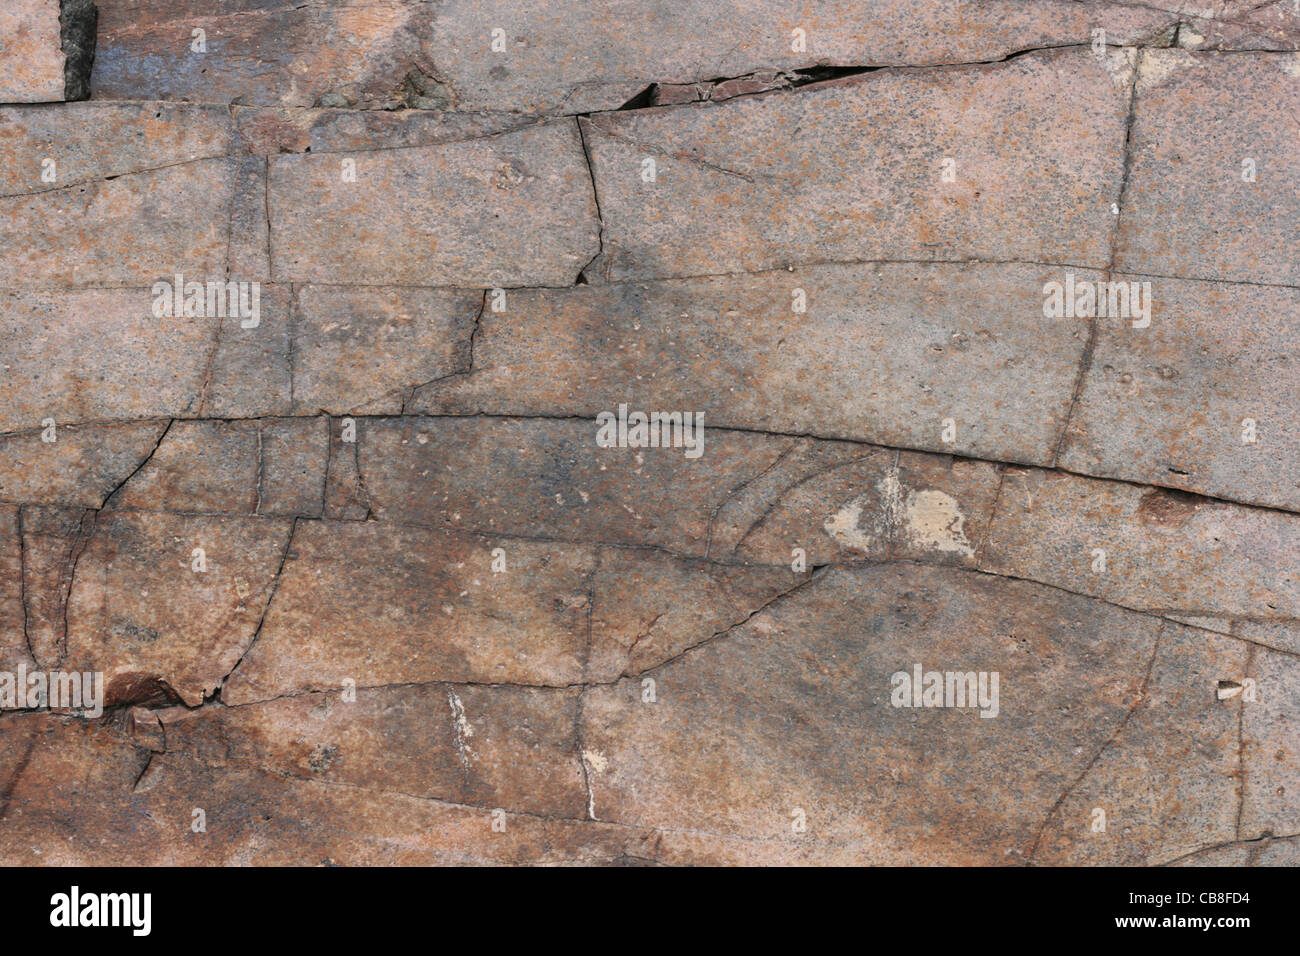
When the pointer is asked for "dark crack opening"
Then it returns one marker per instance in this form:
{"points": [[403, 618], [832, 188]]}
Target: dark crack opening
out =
{"points": [[77, 22]]}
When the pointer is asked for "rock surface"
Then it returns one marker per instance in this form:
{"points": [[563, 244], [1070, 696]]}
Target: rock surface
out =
{"points": [[474, 433], [31, 54]]}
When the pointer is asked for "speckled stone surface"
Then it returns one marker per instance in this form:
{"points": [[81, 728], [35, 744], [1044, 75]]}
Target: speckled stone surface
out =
{"points": [[31, 54], [605, 434]]}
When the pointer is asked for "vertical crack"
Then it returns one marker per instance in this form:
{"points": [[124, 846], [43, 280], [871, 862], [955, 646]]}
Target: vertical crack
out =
{"points": [[1126, 163], [7, 794], [1241, 741], [473, 334], [291, 358], [235, 189], [78, 20], [67, 577], [409, 394], [261, 467], [266, 211], [209, 367], [1119, 729], [595, 195], [993, 515], [362, 490], [579, 738], [1085, 361], [22, 586], [266, 608], [140, 467], [329, 461]]}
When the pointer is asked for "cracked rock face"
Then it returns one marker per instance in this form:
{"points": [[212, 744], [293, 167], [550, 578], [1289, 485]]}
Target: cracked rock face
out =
{"points": [[46, 50], [464, 433]]}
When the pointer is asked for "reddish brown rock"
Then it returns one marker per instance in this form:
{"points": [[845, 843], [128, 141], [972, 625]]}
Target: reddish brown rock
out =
{"points": [[1282, 635], [884, 353], [760, 498], [13, 608], [173, 809], [836, 502], [277, 53], [58, 770], [248, 251], [81, 143], [315, 779], [31, 53], [1202, 399], [1166, 782], [294, 456], [553, 58], [549, 59], [95, 356], [363, 351], [346, 499], [487, 746], [763, 182], [267, 467], [144, 615], [1268, 26], [793, 503], [367, 589], [53, 539], [904, 506], [250, 371], [510, 210], [377, 604], [673, 94], [1271, 746], [542, 478], [787, 719], [271, 131], [131, 230], [1212, 166], [1165, 551], [82, 466], [650, 607]]}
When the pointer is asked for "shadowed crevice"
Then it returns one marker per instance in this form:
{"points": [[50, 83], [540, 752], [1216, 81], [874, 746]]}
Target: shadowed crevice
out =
{"points": [[77, 22]]}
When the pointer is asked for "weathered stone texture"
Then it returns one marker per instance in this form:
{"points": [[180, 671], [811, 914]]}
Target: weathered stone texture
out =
{"points": [[94, 141], [1167, 779], [512, 210], [142, 612], [822, 736], [262, 52], [379, 605], [1164, 551], [124, 231], [94, 356], [1203, 399], [763, 182], [491, 746], [31, 53], [1271, 747], [364, 350], [366, 583], [13, 608], [1193, 207], [882, 353], [267, 467], [557, 57], [82, 466]]}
